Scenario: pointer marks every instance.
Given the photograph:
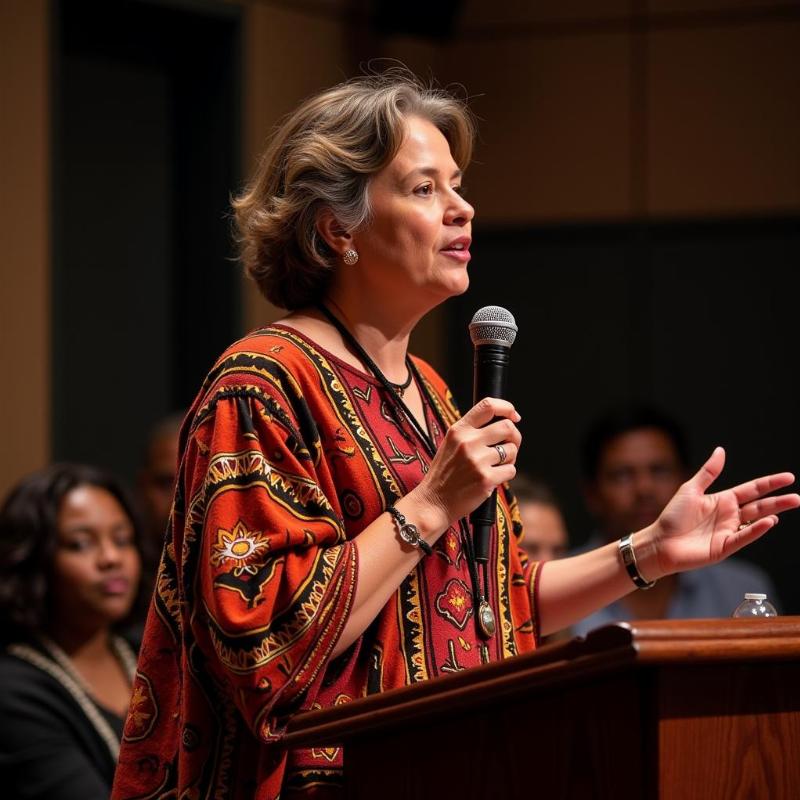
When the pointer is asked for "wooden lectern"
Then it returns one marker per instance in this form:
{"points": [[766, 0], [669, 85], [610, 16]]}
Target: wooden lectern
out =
{"points": [[671, 709]]}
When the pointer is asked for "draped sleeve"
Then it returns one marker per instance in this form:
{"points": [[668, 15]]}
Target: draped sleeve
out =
{"points": [[268, 574]]}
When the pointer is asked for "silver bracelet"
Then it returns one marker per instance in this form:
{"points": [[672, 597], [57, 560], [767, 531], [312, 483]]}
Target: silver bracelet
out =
{"points": [[408, 532], [629, 560]]}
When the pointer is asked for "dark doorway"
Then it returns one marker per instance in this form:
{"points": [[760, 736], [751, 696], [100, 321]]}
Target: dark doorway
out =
{"points": [[146, 154]]}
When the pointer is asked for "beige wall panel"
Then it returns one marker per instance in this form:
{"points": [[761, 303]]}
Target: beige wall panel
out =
{"points": [[421, 56], [288, 56], [555, 127], [24, 240], [724, 120], [477, 14]]}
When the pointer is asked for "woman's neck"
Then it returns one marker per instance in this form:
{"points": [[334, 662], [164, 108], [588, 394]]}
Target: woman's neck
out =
{"points": [[98, 665], [81, 644], [384, 338]]}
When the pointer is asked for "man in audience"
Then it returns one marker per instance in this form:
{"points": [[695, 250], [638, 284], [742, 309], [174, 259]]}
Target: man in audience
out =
{"points": [[156, 481], [634, 460]]}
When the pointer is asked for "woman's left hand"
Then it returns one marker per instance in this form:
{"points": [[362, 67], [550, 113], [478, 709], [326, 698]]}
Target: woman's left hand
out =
{"points": [[696, 529]]}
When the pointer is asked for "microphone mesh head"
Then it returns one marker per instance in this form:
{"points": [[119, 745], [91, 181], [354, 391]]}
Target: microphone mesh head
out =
{"points": [[493, 325]]}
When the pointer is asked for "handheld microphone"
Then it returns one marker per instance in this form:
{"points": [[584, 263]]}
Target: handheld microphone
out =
{"points": [[492, 331]]}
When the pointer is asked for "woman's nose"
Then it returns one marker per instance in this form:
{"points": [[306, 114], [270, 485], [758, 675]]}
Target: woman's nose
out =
{"points": [[460, 212], [644, 484], [108, 553]]}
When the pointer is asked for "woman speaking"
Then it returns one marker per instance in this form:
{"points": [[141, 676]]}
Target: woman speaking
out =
{"points": [[319, 549]]}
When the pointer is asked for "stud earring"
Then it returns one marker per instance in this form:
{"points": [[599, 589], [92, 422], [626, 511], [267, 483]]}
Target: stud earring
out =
{"points": [[350, 257]]}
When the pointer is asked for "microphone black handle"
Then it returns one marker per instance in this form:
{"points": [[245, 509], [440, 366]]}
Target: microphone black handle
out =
{"points": [[490, 370]]}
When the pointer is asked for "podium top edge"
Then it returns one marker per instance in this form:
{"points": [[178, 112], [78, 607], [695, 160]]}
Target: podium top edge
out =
{"points": [[622, 646]]}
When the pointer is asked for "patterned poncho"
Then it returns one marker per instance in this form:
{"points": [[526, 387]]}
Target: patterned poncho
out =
{"points": [[288, 454]]}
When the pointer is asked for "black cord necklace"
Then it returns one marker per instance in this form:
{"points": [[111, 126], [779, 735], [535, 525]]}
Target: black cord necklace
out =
{"points": [[484, 618], [401, 387]]}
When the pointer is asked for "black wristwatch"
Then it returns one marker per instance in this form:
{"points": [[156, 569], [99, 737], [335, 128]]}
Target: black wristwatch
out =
{"points": [[408, 532]]}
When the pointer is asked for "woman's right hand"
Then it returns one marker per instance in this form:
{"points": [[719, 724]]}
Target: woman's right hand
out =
{"points": [[460, 477], [466, 468]]}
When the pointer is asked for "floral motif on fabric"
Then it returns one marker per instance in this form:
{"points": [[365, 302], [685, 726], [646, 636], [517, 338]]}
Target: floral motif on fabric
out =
{"points": [[143, 711], [454, 603], [449, 547]]}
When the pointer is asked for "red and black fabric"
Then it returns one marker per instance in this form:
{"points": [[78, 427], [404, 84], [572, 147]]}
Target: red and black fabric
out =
{"points": [[288, 454]]}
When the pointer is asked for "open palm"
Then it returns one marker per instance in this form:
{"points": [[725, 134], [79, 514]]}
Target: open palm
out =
{"points": [[696, 529]]}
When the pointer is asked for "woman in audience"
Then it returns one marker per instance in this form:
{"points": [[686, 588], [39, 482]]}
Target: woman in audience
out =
{"points": [[69, 577]]}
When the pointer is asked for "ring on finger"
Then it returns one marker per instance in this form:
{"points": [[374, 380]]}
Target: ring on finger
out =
{"points": [[501, 451], [744, 524]]}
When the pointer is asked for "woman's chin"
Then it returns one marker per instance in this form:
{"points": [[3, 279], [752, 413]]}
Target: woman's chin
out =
{"points": [[114, 609], [464, 286], [456, 284]]}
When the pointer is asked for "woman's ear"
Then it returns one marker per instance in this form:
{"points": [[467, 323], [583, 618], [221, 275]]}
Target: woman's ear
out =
{"points": [[332, 231]]}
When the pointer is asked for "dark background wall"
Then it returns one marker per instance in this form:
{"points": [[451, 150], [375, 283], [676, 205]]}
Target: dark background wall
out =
{"points": [[146, 149], [696, 318]]}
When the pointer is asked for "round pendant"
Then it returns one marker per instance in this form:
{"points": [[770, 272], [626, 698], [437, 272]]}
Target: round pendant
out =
{"points": [[486, 622]]}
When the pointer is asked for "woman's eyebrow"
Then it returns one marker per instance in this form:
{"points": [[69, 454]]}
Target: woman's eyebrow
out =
{"points": [[430, 172], [78, 529]]}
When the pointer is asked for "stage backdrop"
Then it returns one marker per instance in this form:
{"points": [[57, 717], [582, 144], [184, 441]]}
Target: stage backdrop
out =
{"points": [[697, 318]]}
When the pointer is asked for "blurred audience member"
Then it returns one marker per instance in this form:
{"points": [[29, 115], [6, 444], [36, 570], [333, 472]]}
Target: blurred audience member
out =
{"points": [[69, 578], [634, 460], [156, 479], [544, 532]]}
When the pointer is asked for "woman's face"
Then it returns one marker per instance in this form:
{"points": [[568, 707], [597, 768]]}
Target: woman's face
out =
{"points": [[416, 248], [96, 567]]}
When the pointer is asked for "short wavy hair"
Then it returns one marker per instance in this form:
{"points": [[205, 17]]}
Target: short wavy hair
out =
{"points": [[28, 540], [323, 155]]}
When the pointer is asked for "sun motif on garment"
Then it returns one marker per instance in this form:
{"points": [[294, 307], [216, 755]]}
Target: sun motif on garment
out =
{"points": [[242, 547]]}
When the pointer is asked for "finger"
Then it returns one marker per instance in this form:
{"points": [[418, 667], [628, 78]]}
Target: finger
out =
{"points": [[499, 432], [709, 472], [487, 409], [509, 454], [747, 535], [769, 505], [503, 474], [751, 490]]}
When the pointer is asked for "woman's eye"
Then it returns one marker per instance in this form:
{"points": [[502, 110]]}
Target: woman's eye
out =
{"points": [[460, 190], [124, 540], [77, 545], [424, 190]]}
